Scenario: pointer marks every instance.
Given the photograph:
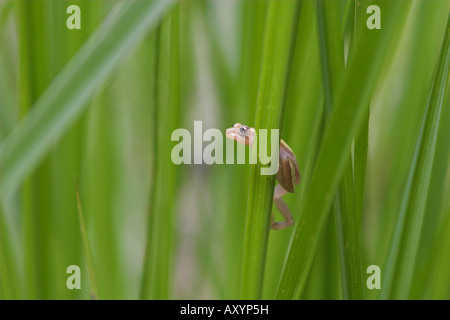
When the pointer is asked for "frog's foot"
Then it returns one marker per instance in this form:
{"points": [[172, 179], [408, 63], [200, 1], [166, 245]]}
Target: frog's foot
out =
{"points": [[283, 208]]}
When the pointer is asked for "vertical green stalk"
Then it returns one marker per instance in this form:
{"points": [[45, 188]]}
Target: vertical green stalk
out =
{"points": [[332, 52], [66, 155], [403, 250], [362, 137], [86, 246], [151, 41], [241, 109], [101, 187], [359, 167], [9, 253], [301, 123], [33, 79], [9, 267], [441, 262], [280, 31], [158, 256], [352, 101], [253, 14]]}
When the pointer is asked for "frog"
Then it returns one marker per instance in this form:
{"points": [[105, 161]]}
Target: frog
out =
{"points": [[288, 174]]}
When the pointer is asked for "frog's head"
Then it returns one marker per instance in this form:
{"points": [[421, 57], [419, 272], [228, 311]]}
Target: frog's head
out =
{"points": [[241, 133]]}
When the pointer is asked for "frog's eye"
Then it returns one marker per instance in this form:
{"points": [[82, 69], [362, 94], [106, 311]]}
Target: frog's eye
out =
{"points": [[243, 130]]}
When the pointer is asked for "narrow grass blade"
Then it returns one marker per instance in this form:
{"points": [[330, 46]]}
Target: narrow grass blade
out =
{"points": [[441, 263], [359, 167], [351, 105], [33, 78], [361, 141], [5, 9], [10, 287], [86, 246], [8, 116], [302, 122], [158, 257], [281, 26], [243, 108], [403, 250], [66, 98], [333, 62]]}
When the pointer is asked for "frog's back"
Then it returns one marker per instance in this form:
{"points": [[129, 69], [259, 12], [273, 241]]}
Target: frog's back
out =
{"points": [[288, 174]]}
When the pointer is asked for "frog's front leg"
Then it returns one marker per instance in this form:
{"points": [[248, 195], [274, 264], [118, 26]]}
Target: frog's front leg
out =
{"points": [[283, 208]]}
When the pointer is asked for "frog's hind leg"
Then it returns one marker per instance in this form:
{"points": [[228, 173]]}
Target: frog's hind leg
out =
{"points": [[283, 208]]}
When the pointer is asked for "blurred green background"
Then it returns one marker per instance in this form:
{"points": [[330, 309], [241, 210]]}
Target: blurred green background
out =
{"points": [[100, 104]]}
